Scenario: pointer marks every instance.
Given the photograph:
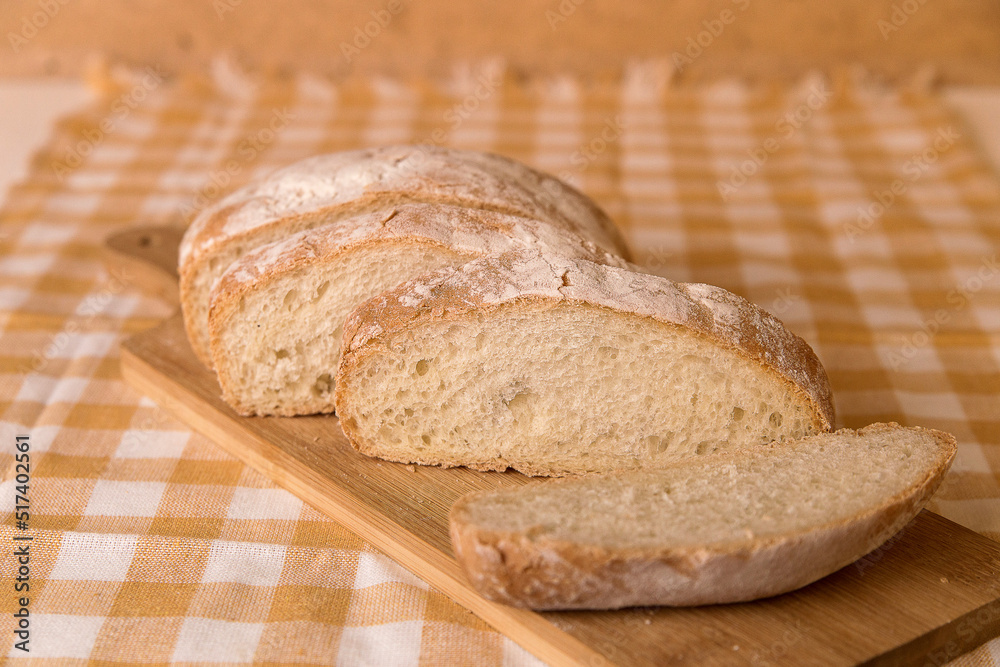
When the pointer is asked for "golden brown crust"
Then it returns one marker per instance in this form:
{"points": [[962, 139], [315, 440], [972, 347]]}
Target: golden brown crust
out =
{"points": [[332, 187], [478, 232], [524, 279], [430, 174], [226, 302], [461, 233], [541, 573]]}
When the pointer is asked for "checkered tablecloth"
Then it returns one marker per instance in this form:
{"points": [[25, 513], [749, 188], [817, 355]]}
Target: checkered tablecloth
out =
{"points": [[864, 218]]}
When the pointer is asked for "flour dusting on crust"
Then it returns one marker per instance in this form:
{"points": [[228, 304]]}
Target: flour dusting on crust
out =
{"points": [[412, 173], [722, 316], [475, 232]]}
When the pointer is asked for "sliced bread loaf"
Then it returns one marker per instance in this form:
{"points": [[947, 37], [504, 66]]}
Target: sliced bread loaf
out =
{"points": [[730, 527], [277, 313], [553, 365], [328, 188]]}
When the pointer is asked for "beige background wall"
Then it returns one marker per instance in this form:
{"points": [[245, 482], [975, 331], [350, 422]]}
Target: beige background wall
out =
{"points": [[752, 38]]}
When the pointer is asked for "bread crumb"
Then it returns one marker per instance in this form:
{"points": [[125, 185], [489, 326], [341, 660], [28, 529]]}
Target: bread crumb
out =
{"points": [[411, 468], [736, 647], [648, 622], [944, 580]]}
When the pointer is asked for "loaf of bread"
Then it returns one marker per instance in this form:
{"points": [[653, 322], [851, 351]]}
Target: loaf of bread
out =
{"points": [[277, 313], [730, 527], [328, 188], [552, 365]]}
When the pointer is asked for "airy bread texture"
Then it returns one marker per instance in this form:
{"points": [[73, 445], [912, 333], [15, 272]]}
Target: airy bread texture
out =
{"points": [[328, 188], [277, 313], [730, 527], [553, 365]]}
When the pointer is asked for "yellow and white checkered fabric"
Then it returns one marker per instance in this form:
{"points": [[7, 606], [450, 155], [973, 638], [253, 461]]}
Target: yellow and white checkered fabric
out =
{"points": [[863, 218]]}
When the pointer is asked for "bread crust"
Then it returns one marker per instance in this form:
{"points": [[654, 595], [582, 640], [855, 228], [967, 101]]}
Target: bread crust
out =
{"points": [[419, 173], [545, 573], [477, 232], [524, 280], [464, 233], [331, 187]]}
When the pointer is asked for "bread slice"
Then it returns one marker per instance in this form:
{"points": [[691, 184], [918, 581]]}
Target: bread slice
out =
{"points": [[552, 365], [328, 188], [277, 313], [730, 527]]}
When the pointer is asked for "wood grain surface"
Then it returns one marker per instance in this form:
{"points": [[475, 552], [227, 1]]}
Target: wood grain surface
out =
{"points": [[148, 257], [928, 595], [703, 40]]}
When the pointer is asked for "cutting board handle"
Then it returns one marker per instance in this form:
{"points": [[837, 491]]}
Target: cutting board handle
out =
{"points": [[147, 258]]}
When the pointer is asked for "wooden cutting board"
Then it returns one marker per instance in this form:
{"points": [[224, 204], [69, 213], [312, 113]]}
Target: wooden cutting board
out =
{"points": [[928, 595]]}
